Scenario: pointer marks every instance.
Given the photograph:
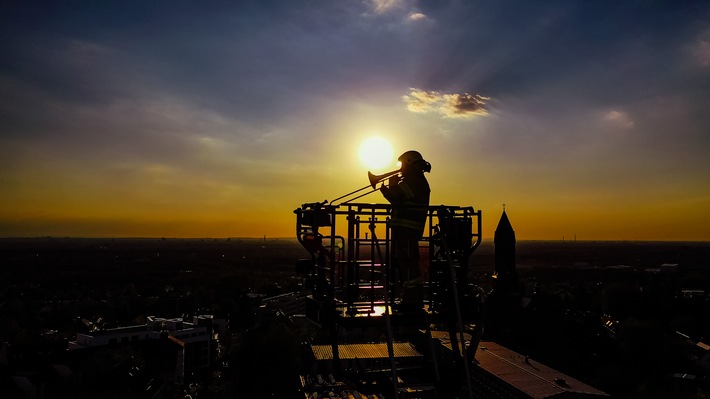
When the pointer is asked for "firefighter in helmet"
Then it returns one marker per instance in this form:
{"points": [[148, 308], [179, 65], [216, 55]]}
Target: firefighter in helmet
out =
{"points": [[409, 196]]}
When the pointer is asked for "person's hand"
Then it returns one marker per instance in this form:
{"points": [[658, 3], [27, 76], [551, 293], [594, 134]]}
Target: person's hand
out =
{"points": [[394, 180]]}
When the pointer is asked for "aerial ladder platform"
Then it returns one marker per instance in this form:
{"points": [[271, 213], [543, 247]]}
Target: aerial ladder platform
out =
{"points": [[371, 344]]}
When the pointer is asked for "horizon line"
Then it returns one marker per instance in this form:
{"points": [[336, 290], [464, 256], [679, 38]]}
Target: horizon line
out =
{"points": [[266, 238]]}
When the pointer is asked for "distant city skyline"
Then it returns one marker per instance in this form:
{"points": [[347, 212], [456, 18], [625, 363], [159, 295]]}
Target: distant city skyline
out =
{"points": [[135, 119]]}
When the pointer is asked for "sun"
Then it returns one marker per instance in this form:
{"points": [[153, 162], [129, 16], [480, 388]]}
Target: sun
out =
{"points": [[376, 152]]}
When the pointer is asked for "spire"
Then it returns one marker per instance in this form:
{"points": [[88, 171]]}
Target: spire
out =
{"points": [[504, 241], [504, 229]]}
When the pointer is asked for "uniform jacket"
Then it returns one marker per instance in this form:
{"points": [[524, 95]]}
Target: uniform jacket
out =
{"points": [[409, 199]]}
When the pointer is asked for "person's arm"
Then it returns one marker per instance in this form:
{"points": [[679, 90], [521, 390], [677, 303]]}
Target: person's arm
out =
{"points": [[393, 193]]}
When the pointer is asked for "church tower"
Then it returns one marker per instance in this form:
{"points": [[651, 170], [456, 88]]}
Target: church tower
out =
{"points": [[504, 240], [504, 300]]}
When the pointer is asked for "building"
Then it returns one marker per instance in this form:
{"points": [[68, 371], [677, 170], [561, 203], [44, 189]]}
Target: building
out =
{"points": [[505, 274], [292, 303], [502, 373], [504, 302], [194, 340]]}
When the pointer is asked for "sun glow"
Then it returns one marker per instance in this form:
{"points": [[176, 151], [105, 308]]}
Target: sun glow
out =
{"points": [[376, 152]]}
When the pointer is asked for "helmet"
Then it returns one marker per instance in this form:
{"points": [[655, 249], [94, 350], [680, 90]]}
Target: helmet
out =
{"points": [[413, 160], [410, 157]]}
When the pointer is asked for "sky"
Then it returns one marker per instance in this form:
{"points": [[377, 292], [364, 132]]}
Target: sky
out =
{"points": [[587, 119]]}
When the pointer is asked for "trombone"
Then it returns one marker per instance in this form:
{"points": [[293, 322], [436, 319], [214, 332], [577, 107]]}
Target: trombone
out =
{"points": [[374, 180]]}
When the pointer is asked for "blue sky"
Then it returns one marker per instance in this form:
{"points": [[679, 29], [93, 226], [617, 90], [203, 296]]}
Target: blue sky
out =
{"points": [[219, 118]]}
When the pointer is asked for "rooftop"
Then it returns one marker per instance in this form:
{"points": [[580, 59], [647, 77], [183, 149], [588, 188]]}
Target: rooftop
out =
{"points": [[527, 375]]}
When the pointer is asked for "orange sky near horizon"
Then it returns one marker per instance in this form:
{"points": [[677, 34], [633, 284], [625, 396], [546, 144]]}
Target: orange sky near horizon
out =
{"points": [[169, 205]]}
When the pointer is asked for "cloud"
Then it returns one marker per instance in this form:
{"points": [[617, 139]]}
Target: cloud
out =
{"points": [[382, 6], [448, 105], [619, 118], [416, 16], [398, 8]]}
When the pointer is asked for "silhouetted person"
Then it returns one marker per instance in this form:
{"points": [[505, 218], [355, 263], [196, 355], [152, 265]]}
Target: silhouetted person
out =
{"points": [[409, 196]]}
